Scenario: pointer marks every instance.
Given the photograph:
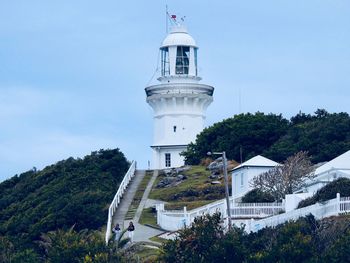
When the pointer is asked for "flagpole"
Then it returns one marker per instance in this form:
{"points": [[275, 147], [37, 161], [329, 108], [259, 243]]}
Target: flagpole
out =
{"points": [[166, 19]]}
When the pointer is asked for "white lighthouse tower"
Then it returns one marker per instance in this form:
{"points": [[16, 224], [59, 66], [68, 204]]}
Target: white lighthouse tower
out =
{"points": [[179, 101]]}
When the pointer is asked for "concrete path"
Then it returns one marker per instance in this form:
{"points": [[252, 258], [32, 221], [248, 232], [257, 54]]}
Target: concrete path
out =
{"points": [[144, 233], [145, 196], [123, 207]]}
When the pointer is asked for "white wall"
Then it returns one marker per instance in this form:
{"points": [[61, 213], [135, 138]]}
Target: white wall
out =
{"points": [[292, 200], [240, 188], [159, 157], [187, 127]]}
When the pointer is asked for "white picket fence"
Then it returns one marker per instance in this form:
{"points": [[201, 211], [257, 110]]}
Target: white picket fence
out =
{"points": [[117, 198], [254, 216], [256, 210], [175, 219], [333, 207]]}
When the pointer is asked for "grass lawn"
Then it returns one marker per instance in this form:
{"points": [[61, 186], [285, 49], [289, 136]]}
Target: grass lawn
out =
{"points": [[138, 195], [193, 192], [197, 176], [158, 239], [148, 217]]}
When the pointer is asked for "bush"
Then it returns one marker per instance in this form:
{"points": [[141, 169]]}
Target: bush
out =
{"points": [[341, 185], [257, 196]]}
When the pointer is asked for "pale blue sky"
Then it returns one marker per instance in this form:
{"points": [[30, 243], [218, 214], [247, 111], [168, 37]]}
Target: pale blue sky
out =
{"points": [[73, 73]]}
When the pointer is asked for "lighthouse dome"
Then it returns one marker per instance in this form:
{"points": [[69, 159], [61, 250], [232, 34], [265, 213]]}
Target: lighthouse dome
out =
{"points": [[178, 36]]}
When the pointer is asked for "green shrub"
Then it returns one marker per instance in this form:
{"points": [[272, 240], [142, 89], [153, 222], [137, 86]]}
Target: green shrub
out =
{"points": [[329, 191], [257, 196]]}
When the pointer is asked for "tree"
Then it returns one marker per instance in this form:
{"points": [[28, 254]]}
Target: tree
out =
{"points": [[285, 179], [324, 135], [205, 241], [251, 133]]}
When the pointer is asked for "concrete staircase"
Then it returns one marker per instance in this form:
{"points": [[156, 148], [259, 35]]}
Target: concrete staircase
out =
{"points": [[123, 207]]}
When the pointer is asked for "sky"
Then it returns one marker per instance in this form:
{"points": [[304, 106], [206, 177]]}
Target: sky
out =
{"points": [[73, 73]]}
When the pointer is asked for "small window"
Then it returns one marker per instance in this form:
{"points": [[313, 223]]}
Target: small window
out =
{"points": [[242, 182], [165, 61], [167, 160], [174, 128]]}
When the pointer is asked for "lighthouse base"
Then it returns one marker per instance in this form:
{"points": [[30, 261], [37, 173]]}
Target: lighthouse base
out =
{"points": [[168, 156]]}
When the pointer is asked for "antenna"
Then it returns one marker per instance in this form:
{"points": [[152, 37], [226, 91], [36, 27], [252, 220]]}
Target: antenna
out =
{"points": [[239, 101]]}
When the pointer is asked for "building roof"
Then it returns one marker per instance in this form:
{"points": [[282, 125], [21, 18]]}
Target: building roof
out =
{"points": [[340, 162], [178, 36], [257, 161]]}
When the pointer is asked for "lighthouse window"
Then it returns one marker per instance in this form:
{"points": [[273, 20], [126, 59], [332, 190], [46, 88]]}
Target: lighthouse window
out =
{"points": [[165, 61], [182, 60], [174, 128], [195, 59], [167, 160]]}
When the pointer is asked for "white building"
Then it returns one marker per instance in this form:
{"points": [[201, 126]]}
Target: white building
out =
{"points": [[179, 102], [330, 171], [243, 174]]}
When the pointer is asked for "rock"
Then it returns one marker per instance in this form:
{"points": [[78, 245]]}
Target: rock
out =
{"points": [[176, 183], [170, 181], [215, 166], [182, 169], [213, 176], [166, 181], [181, 177], [167, 171]]}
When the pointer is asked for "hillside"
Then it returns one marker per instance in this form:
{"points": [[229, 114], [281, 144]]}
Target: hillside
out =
{"points": [[71, 192], [324, 135]]}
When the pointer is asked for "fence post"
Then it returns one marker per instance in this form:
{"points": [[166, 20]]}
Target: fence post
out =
{"points": [[185, 214], [338, 203]]}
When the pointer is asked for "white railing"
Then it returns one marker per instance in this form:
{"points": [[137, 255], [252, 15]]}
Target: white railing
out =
{"points": [[260, 214], [117, 198], [176, 219], [256, 210], [328, 208]]}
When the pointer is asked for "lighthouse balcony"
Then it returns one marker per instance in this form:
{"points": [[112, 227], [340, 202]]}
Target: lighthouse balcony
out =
{"points": [[179, 88]]}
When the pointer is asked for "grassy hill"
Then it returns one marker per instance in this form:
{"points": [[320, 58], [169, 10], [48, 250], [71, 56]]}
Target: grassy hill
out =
{"points": [[73, 192]]}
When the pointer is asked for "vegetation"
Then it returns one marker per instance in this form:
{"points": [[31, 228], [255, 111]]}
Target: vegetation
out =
{"points": [[324, 135], [257, 196], [329, 191], [73, 192], [149, 217], [254, 133], [193, 192], [304, 240]]}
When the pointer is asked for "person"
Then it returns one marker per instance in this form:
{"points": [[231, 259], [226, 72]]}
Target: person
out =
{"points": [[116, 230], [131, 229]]}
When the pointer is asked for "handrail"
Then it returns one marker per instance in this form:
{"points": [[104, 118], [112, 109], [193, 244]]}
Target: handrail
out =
{"points": [[117, 198]]}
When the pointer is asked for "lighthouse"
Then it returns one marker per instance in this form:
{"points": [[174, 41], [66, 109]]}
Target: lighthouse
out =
{"points": [[179, 101]]}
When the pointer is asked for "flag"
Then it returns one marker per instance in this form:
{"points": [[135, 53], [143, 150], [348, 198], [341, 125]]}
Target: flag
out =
{"points": [[173, 16]]}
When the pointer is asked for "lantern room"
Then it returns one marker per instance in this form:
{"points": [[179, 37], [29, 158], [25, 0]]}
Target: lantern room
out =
{"points": [[178, 54]]}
